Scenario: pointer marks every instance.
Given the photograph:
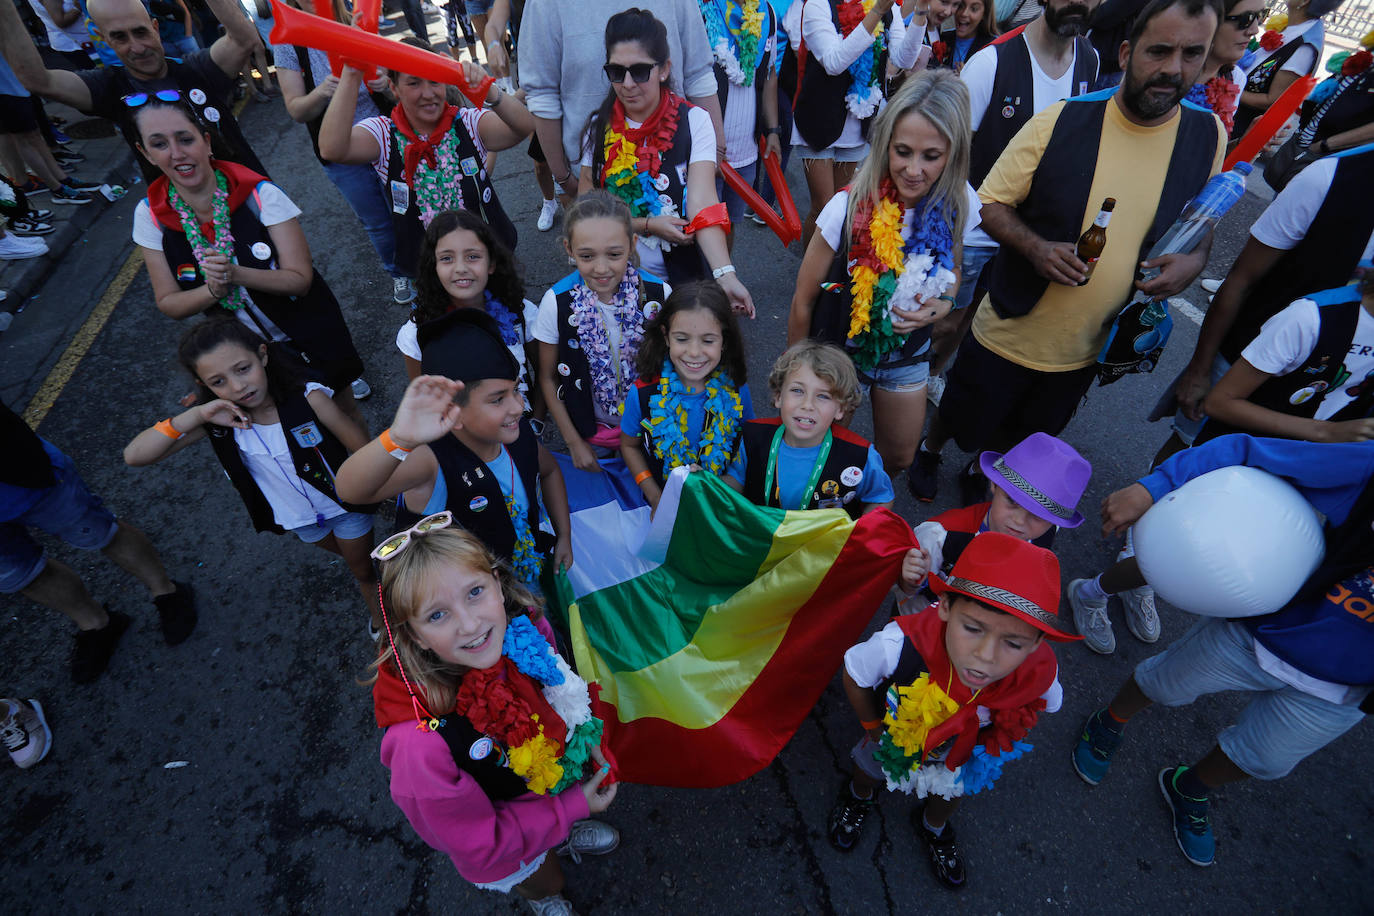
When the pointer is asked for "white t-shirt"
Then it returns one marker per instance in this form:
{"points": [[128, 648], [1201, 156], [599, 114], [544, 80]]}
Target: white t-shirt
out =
{"points": [[875, 660], [830, 223], [408, 342], [62, 37], [1287, 340], [274, 208], [1286, 220], [740, 116], [703, 134], [381, 127], [294, 502], [981, 70], [1304, 58]]}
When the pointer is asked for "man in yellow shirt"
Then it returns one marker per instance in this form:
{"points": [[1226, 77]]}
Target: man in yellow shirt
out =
{"points": [[1033, 351]]}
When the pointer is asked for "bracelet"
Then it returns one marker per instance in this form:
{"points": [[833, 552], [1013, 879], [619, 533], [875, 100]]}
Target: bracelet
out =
{"points": [[871, 724], [167, 429], [643, 476], [950, 299], [492, 106], [722, 271], [392, 449], [772, 130]]}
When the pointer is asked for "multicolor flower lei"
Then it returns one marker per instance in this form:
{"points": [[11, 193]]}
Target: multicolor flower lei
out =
{"points": [[1272, 36], [1344, 68], [505, 319], [608, 386], [667, 422], [889, 274], [1217, 95], [725, 38], [633, 170], [436, 189], [912, 712], [865, 91], [224, 239], [525, 561], [548, 764]]}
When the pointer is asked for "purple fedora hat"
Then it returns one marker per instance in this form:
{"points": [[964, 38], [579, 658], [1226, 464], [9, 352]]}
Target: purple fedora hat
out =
{"points": [[1044, 475]]}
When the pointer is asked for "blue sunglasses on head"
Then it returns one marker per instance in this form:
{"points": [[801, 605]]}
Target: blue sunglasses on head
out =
{"points": [[135, 99]]}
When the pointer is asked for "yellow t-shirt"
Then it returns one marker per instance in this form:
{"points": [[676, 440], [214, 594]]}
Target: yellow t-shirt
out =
{"points": [[1068, 325]]}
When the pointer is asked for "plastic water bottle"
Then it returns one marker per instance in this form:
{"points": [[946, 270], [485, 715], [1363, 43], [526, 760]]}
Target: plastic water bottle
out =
{"points": [[1201, 214]]}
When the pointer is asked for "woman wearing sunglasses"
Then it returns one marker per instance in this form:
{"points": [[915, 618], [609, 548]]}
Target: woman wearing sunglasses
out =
{"points": [[218, 238], [428, 154], [1218, 87], [657, 152]]}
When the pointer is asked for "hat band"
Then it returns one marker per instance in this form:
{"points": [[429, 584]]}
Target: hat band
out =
{"points": [[1010, 599], [1025, 486]]}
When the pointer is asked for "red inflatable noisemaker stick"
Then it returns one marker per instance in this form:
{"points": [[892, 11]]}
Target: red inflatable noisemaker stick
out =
{"points": [[367, 14], [294, 27], [1268, 124], [787, 226]]}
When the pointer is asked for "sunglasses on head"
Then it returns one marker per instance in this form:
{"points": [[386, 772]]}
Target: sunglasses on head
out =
{"points": [[135, 99], [640, 73], [1243, 21], [392, 546]]}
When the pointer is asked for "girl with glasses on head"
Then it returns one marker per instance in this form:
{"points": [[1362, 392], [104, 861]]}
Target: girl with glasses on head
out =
{"points": [[643, 121]]}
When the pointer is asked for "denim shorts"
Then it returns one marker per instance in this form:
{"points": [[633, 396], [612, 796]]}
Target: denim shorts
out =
{"points": [[345, 527], [838, 153], [1280, 727], [68, 510], [975, 259], [898, 379], [506, 884]]}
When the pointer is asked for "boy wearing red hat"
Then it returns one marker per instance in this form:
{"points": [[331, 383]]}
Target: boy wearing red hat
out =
{"points": [[1033, 490], [945, 696]]}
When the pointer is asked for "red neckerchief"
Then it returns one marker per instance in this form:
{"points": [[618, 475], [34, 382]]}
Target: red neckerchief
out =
{"points": [[1015, 701], [242, 181], [652, 138], [418, 150]]}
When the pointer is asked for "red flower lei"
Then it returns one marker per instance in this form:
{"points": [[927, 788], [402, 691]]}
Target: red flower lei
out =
{"points": [[502, 701], [939, 51], [851, 13], [653, 138], [861, 242], [1356, 63], [1271, 40], [1221, 93]]}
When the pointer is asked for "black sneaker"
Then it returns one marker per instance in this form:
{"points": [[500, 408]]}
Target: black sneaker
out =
{"points": [[67, 157], [177, 612], [76, 184], [945, 860], [65, 195], [91, 654], [26, 225], [923, 477], [847, 817], [42, 216], [973, 486]]}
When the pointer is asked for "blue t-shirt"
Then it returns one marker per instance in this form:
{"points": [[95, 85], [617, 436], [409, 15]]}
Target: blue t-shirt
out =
{"points": [[794, 473], [696, 413]]}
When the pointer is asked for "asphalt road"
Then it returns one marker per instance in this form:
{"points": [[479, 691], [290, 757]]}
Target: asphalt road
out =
{"points": [[282, 805]]}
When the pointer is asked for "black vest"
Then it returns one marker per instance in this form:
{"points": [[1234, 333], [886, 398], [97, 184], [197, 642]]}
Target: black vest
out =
{"points": [[575, 385], [1058, 195], [1013, 89], [313, 322], [1301, 392], [482, 758], [478, 196], [315, 465], [760, 72], [847, 450], [1325, 258], [644, 390], [819, 110], [475, 497], [1262, 77], [682, 263]]}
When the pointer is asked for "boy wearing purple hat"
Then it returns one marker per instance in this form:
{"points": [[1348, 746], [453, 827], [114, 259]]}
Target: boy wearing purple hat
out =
{"points": [[1033, 490], [945, 696]]}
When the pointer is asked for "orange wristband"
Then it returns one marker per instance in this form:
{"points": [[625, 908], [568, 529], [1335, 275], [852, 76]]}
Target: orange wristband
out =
{"points": [[871, 724], [392, 449], [167, 429], [643, 476]]}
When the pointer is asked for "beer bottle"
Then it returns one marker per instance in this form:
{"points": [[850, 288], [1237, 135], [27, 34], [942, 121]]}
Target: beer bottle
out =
{"points": [[1091, 242]]}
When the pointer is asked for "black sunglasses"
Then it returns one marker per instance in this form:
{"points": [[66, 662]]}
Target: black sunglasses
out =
{"points": [[640, 73], [135, 99], [1243, 21]]}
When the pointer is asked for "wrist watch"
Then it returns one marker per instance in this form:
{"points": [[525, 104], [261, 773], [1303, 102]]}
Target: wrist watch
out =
{"points": [[777, 131]]}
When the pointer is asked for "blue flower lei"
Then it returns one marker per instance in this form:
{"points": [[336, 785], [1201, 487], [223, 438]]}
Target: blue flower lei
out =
{"points": [[864, 93], [530, 651], [931, 231], [608, 386], [505, 319], [982, 770], [667, 422]]}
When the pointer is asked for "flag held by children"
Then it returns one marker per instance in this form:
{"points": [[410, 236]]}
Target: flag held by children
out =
{"points": [[724, 622]]}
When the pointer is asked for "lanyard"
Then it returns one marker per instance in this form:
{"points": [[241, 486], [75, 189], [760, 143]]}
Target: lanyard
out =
{"points": [[291, 479], [816, 469]]}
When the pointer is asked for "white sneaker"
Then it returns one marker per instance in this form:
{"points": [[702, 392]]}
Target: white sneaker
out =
{"points": [[589, 838], [1090, 617], [361, 389], [25, 731], [15, 247], [1141, 617], [546, 215], [1210, 285], [935, 389], [553, 905], [402, 291]]}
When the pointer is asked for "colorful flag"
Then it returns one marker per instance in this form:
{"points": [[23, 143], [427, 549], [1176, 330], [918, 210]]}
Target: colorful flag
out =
{"points": [[712, 631]]}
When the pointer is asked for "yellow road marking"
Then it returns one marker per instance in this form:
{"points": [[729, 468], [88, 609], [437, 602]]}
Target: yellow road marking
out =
{"points": [[81, 343]]}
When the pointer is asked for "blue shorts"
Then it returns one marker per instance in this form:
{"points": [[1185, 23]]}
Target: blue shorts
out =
{"points": [[1279, 728], [68, 510], [975, 259], [345, 527], [479, 7], [898, 379], [837, 153]]}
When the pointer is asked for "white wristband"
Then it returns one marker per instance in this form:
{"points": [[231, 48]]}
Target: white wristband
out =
{"points": [[722, 271]]}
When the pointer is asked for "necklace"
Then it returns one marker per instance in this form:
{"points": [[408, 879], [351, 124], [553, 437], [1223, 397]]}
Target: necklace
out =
{"points": [[524, 559], [223, 242], [816, 469], [633, 169], [292, 480], [865, 90], [734, 31], [438, 185]]}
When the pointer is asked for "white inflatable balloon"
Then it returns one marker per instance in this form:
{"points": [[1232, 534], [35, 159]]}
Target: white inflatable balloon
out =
{"points": [[1235, 542]]}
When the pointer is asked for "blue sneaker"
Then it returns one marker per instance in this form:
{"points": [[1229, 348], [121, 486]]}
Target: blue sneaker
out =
{"points": [[1192, 829], [1093, 753]]}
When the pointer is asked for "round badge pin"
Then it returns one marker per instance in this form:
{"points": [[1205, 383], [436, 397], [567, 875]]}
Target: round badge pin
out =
{"points": [[661, 182], [212, 115], [1302, 395], [667, 203], [481, 748], [851, 476], [574, 344], [652, 308], [261, 250], [563, 369], [486, 196], [850, 497], [197, 97], [477, 503], [1008, 111]]}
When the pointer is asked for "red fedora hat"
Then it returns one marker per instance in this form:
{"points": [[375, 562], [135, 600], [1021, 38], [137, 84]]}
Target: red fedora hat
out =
{"points": [[1011, 575]]}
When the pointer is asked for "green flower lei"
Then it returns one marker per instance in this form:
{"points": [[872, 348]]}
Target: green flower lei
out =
{"points": [[224, 239]]}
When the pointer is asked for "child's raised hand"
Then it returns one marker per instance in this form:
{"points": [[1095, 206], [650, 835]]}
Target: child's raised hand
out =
{"points": [[427, 411], [225, 413], [599, 799], [915, 568]]}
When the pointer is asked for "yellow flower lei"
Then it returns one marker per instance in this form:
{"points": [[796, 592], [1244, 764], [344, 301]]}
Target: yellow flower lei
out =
{"points": [[923, 706], [536, 761], [885, 230]]}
